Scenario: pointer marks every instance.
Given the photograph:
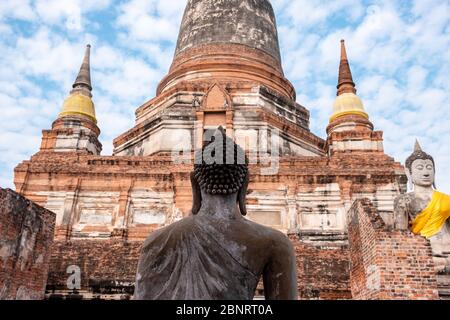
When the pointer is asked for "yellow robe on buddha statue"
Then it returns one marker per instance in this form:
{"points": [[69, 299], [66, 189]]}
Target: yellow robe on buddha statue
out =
{"points": [[431, 220]]}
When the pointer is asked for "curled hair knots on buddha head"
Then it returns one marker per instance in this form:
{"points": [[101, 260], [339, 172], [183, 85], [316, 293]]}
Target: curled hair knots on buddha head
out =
{"points": [[221, 167]]}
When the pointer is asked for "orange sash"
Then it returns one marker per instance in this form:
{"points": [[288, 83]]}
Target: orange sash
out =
{"points": [[431, 220]]}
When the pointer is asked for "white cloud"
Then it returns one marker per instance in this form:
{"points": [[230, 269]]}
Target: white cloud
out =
{"points": [[151, 20], [312, 13], [17, 9], [69, 13], [132, 80]]}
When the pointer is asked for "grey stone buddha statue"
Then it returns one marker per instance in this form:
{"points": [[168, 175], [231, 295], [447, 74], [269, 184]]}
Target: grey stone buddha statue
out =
{"points": [[425, 211], [217, 254]]}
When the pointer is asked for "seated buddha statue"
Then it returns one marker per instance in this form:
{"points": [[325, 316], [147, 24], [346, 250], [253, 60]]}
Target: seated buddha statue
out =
{"points": [[425, 211], [216, 253]]}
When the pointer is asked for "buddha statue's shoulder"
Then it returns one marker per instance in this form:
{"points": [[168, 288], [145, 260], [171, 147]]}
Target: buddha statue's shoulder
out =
{"points": [[171, 233], [443, 194], [270, 236]]}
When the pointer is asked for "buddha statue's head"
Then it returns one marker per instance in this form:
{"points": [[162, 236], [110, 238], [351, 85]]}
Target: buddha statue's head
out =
{"points": [[420, 168], [220, 170]]}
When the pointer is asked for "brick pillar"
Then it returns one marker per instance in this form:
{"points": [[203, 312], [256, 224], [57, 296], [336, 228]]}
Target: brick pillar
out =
{"points": [[385, 264], [122, 219], [183, 192], [70, 215], [199, 128], [230, 123], [292, 214], [26, 236]]}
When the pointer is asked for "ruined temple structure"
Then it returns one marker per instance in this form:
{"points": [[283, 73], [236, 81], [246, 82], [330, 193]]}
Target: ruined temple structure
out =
{"points": [[226, 71]]}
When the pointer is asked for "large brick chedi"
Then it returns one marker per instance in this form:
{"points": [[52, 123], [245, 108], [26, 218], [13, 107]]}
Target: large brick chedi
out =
{"points": [[387, 264], [26, 236]]}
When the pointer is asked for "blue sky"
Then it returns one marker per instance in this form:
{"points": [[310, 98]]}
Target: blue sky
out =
{"points": [[399, 53]]}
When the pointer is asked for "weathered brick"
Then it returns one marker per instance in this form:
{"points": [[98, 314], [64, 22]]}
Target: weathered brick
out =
{"points": [[387, 264], [26, 235]]}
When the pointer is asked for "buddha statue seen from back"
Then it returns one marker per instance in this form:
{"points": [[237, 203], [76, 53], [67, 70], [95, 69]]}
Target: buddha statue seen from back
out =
{"points": [[425, 211], [217, 254]]}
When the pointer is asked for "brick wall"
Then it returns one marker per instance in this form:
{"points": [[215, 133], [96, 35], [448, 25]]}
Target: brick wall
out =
{"points": [[323, 273], [26, 235], [107, 268], [387, 264]]}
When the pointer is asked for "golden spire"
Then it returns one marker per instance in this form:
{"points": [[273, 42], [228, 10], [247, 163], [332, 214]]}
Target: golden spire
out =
{"points": [[79, 102], [347, 102]]}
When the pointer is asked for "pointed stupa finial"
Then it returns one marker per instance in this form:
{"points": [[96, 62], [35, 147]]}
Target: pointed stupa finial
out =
{"points": [[345, 83], [347, 102], [79, 102], [83, 81], [417, 147]]}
